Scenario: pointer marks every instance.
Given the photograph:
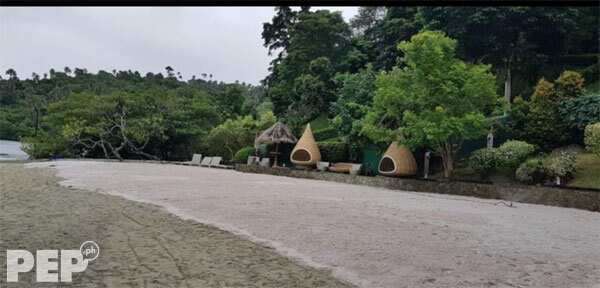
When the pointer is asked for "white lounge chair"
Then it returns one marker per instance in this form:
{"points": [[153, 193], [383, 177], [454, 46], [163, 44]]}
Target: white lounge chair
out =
{"points": [[355, 169], [196, 158], [322, 166], [216, 162], [253, 160], [264, 162], [206, 162]]}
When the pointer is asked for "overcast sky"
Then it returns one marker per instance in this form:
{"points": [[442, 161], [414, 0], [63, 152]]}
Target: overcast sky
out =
{"points": [[224, 41]]}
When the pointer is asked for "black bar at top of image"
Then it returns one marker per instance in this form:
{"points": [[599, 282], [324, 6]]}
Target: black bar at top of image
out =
{"points": [[296, 3]]}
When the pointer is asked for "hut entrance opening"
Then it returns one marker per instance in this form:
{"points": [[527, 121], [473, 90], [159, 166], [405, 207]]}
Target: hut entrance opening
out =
{"points": [[301, 155], [387, 165]]}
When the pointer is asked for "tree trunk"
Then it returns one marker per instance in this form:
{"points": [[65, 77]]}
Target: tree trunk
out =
{"points": [[36, 121], [447, 154], [508, 81]]}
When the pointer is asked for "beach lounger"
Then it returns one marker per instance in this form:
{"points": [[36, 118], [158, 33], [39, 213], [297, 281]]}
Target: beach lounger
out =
{"points": [[253, 160], [216, 162], [196, 158], [206, 162], [355, 169], [264, 162], [322, 166]]}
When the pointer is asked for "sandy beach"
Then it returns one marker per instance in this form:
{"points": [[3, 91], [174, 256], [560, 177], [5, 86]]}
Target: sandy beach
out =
{"points": [[141, 245], [371, 237]]}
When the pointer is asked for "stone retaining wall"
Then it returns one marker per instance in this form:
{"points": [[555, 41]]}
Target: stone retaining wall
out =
{"points": [[563, 197]]}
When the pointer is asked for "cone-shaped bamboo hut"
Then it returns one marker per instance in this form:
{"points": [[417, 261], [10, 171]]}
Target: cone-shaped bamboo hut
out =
{"points": [[397, 161], [306, 152]]}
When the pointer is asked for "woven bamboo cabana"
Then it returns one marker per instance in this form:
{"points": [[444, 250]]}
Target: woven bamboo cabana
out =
{"points": [[306, 152], [276, 134], [397, 161]]}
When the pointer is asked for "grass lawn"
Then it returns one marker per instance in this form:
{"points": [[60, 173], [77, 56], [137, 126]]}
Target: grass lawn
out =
{"points": [[588, 171]]}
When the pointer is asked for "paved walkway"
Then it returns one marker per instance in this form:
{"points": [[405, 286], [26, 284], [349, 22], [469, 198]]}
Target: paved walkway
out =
{"points": [[372, 237]]}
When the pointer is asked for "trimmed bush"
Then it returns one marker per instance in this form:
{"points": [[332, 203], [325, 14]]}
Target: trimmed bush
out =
{"points": [[592, 138], [241, 156], [512, 153], [531, 171], [333, 151], [483, 161], [561, 164]]}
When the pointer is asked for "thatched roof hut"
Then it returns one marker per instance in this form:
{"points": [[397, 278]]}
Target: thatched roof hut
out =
{"points": [[306, 152], [276, 134], [398, 161]]}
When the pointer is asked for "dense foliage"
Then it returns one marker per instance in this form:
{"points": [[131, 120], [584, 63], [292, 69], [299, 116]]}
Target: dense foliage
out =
{"points": [[120, 114], [508, 157], [483, 161], [242, 155], [531, 171], [512, 153], [426, 76], [436, 100], [553, 117], [592, 138]]}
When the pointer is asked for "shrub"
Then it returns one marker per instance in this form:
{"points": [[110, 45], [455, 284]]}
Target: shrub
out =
{"points": [[531, 171], [541, 121], [483, 161], [242, 155], [581, 111], [512, 153], [592, 138], [333, 151], [561, 164], [45, 146], [569, 84], [543, 91], [326, 133]]}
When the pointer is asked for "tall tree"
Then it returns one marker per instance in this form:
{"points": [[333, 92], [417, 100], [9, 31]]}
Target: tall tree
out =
{"points": [[436, 100], [517, 41], [319, 34]]}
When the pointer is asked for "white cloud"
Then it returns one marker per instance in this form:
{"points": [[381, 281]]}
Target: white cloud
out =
{"points": [[224, 41]]}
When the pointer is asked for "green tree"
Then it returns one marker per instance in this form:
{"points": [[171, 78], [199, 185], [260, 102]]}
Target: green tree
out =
{"points": [[313, 37], [380, 29], [354, 97], [517, 41], [436, 100], [539, 121], [234, 134]]}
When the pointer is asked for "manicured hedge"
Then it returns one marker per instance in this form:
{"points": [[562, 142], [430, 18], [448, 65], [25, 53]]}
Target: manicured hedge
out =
{"points": [[333, 151]]}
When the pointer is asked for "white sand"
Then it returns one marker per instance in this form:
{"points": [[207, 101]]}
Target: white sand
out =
{"points": [[372, 237]]}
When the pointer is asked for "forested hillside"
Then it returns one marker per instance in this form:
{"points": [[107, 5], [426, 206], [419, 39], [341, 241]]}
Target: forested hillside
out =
{"points": [[120, 114], [357, 78]]}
